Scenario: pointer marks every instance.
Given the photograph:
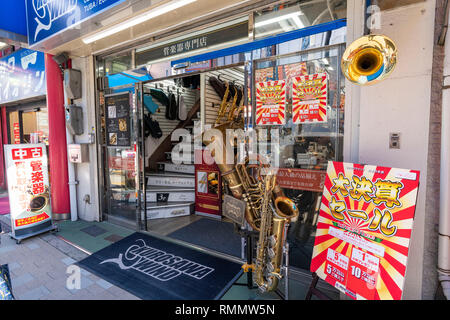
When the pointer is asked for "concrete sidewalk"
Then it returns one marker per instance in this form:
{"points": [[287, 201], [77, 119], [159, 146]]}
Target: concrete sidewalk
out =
{"points": [[39, 270]]}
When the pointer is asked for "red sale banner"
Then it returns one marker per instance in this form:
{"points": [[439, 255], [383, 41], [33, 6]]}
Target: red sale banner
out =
{"points": [[271, 103], [309, 98], [364, 229]]}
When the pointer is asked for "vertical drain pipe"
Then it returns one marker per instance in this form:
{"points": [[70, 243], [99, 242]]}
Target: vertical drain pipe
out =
{"points": [[443, 267], [72, 183]]}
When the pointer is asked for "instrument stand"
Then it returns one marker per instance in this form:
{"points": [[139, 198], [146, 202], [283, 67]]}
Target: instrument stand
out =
{"points": [[248, 235], [285, 268], [314, 291]]}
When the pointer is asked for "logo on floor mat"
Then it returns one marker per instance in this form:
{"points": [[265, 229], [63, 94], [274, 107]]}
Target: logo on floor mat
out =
{"points": [[158, 264]]}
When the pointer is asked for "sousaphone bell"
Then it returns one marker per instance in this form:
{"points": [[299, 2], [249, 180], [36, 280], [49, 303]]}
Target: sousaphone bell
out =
{"points": [[369, 59]]}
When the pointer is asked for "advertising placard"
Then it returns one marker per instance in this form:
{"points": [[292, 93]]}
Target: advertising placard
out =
{"points": [[208, 185], [118, 120], [301, 179], [290, 71], [364, 229], [271, 103], [309, 98], [28, 189]]}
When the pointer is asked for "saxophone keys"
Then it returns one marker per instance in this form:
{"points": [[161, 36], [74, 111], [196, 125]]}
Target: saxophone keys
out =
{"points": [[270, 253], [262, 288], [276, 275], [270, 268], [272, 241]]}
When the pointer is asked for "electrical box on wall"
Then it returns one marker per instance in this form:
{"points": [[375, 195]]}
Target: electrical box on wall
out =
{"points": [[72, 83], [78, 153], [74, 119]]}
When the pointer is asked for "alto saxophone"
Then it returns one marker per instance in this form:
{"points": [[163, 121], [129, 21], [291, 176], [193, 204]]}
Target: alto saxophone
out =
{"points": [[272, 235], [223, 105]]}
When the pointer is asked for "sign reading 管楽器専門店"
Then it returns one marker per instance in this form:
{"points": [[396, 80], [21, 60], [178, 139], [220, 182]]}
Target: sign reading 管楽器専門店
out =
{"points": [[46, 18], [22, 76], [191, 44]]}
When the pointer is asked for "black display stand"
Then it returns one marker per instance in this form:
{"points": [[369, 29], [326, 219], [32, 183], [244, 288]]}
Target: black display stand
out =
{"points": [[249, 240], [314, 291], [248, 235]]}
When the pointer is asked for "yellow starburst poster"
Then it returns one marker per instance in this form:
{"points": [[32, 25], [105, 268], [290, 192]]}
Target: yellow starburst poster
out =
{"points": [[364, 229], [271, 103]]}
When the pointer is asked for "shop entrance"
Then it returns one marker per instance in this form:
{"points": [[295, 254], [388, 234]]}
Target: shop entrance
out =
{"points": [[151, 181], [27, 124], [183, 197]]}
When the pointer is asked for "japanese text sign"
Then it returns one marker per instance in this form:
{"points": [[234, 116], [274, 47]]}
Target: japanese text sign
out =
{"points": [[28, 185], [271, 103], [364, 229], [309, 98], [194, 43], [22, 75]]}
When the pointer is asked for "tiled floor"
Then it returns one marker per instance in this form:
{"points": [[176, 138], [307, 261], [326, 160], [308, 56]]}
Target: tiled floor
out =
{"points": [[41, 266], [83, 234], [73, 231], [39, 271]]}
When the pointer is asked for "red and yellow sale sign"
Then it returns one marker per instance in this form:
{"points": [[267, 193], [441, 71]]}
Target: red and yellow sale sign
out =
{"points": [[271, 103], [309, 98], [364, 229]]}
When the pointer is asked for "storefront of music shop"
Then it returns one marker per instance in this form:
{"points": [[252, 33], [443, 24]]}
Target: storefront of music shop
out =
{"points": [[212, 125], [217, 79]]}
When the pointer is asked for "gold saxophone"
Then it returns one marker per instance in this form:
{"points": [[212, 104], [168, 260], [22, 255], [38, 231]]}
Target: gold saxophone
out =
{"points": [[272, 236], [223, 105], [267, 211], [242, 182], [242, 179], [233, 106]]}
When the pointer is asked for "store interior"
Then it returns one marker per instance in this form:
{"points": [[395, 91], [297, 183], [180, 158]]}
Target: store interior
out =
{"points": [[171, 185]]}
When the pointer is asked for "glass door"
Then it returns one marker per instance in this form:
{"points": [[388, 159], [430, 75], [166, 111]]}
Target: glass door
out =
{"points": [[28, 126], [121, 132]]}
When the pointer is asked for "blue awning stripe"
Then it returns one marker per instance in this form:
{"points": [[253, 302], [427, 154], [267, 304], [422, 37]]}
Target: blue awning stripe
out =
{"points": [[266, 42]]}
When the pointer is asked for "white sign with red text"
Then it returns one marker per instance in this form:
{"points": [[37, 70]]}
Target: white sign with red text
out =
{"points": [[28, 187]]}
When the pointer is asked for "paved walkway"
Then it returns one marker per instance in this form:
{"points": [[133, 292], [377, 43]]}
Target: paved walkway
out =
{"points": [[40, 270]]}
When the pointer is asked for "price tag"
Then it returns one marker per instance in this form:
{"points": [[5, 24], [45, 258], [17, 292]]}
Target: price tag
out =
{"points": [[363, 273]]}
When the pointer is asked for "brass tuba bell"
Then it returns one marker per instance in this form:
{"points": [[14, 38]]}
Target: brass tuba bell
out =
{"points": [[369, 59]]}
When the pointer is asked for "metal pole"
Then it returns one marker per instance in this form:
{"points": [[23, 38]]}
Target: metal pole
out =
{"points": [[249, 259], [286, 284]]}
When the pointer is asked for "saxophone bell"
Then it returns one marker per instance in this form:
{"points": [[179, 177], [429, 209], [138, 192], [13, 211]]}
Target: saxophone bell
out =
{"points": [[286, 208]]}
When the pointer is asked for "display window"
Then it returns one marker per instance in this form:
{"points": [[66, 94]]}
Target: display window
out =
{"points": [[309, 135]]}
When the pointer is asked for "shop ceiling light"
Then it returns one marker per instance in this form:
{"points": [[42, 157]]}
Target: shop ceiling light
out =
{"points": [[160, 10], [293, 15], [298, 22], [2, 45]]}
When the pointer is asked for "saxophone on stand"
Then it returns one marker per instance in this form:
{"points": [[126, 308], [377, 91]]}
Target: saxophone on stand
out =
{"points": [[272, 238], [268, 211]]}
